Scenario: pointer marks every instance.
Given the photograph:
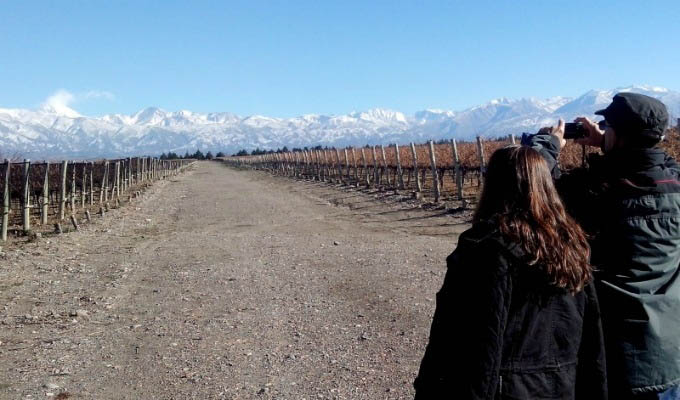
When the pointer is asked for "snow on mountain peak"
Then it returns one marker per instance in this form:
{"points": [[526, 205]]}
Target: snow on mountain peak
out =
{"points": [[148, 116], [643, 88], [433, 114], [500, 100], [382, 115], [58, 104]]}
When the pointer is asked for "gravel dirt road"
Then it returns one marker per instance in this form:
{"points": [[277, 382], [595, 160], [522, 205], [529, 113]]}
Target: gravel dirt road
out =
{"points": [[227, 284]]}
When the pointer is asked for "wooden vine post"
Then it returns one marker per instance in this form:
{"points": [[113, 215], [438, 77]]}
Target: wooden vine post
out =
{"points": [[322, 162], [338, 165], [332, 165], [480, 152], [305, 164], [354, 161], [123, 175], [74, 221], [313, 169], [326, 167], [419, 185], [73, 190], [45, 195], [101, 186], [299, 164], [27, 196], [123, 180], [435, 174], [400, 173], [386, 170], [347, 168], [116, 183], [363, 158], [92, 183], [5, 203], [315, 159], [105, 183], [118, 180], [310, 165], [113, 174], [129, 170], [83, 186], [458, 176], [62, 191], [318, 166], [375, 167], [512, 138]]}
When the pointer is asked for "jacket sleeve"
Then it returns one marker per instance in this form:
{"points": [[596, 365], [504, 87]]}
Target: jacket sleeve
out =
{"points": [[548, 146], [591, 374], [578, 187], [672, 165], [462, 358]]}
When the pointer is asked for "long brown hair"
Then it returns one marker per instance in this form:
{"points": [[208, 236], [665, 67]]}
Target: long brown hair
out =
{"points": [[520, 196]]}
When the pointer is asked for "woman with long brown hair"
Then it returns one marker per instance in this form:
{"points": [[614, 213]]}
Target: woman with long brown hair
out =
{"points": [[516, 317]]}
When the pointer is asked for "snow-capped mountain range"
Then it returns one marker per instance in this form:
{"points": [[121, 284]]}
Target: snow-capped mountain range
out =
{"points": [[60, 132]]}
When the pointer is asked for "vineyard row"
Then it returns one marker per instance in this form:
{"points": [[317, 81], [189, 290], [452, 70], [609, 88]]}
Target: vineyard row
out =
{"points": [[453, 166], [55, 190]]}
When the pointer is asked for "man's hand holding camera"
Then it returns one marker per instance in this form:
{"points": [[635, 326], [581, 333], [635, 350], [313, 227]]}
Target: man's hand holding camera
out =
{"points": [[595, 136], [557, 131], [590, 134]]}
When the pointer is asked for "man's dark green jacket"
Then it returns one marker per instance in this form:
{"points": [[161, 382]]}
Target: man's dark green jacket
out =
{"points": [[628, 200]]}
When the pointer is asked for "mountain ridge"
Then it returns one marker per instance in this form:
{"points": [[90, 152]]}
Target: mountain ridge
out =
{"points": [[54, 132]]}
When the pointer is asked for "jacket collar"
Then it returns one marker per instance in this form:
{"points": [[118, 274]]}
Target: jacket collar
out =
{"points": [[488, 231]]}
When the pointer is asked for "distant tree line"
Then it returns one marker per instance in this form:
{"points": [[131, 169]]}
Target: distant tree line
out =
{"points": [[284, 149], [198, 155]]}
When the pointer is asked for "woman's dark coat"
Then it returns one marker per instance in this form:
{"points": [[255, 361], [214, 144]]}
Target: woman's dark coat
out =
{"points": [[501, 331]]}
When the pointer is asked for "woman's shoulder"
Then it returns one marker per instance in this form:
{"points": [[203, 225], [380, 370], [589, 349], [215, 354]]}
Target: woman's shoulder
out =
{"points": [[479, 232], [482, 242], [487, 235]]}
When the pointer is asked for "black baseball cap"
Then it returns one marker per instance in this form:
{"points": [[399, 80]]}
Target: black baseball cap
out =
{"points": [[636, 115]]}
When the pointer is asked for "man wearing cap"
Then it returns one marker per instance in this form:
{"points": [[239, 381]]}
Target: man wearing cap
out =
{"points": [[628, 199]]}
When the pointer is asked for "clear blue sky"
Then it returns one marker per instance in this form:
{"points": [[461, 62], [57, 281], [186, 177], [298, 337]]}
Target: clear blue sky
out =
{"points": [[287, 58]]}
